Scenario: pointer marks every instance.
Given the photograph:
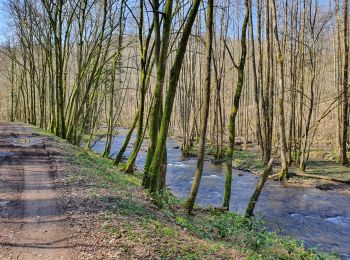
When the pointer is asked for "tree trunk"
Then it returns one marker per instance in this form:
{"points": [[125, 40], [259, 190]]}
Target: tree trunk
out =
{"points": [[344, 139], [205, 111], [232, 123], [260, 185], [155, 168]]}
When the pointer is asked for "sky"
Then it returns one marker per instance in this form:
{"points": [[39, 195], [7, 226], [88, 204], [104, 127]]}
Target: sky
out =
{"points": [[4, 20], [5, 29]]}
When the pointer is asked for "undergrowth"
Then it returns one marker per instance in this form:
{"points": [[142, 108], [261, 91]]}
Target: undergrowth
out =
{"points": [[219, 229]]}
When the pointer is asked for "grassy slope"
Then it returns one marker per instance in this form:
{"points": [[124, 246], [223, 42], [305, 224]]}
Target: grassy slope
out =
{"points": [[168, 232]]}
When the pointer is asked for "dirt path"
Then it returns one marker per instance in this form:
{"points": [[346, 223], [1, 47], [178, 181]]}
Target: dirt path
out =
{"points": [[32, 225]]}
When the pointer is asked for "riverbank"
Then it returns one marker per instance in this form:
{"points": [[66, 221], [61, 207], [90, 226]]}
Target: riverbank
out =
{"points": [[323, 173], [127, 223]]}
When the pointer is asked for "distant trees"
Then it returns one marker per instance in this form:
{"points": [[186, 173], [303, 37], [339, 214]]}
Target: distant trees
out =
{"points": [[264, 99], [51, 36], [282, 124]]}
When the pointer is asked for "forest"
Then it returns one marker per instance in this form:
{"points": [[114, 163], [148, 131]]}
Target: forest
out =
{"points": [[175, 94]]}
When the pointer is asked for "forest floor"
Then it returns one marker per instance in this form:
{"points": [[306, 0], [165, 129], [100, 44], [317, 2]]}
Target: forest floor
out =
{"points": [[324, 173], [58, 201]]}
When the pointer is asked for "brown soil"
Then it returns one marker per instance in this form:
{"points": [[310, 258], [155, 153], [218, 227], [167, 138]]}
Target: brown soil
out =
{"points": [[42, 216], [32, 224]]}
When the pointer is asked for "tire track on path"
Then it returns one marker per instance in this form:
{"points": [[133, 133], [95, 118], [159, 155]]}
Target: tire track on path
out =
{"points": [[32, 225]]}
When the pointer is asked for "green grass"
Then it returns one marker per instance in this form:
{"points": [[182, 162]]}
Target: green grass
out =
{"points": [[328, 168], [247, 160]]}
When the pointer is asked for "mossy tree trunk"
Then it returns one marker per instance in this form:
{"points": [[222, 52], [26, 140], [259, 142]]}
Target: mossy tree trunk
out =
{"points": [[234, 110], [260, 185], [145, 58], [345, 125], [205, 110], [155, 168], [161, 54], [122, 150]]}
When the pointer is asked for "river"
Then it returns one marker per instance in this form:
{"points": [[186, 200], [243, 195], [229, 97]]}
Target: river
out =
{"points": [[319, 218]]}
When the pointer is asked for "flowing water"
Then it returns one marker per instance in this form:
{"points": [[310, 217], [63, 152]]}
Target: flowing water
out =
{"points": [[319, 218]]}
